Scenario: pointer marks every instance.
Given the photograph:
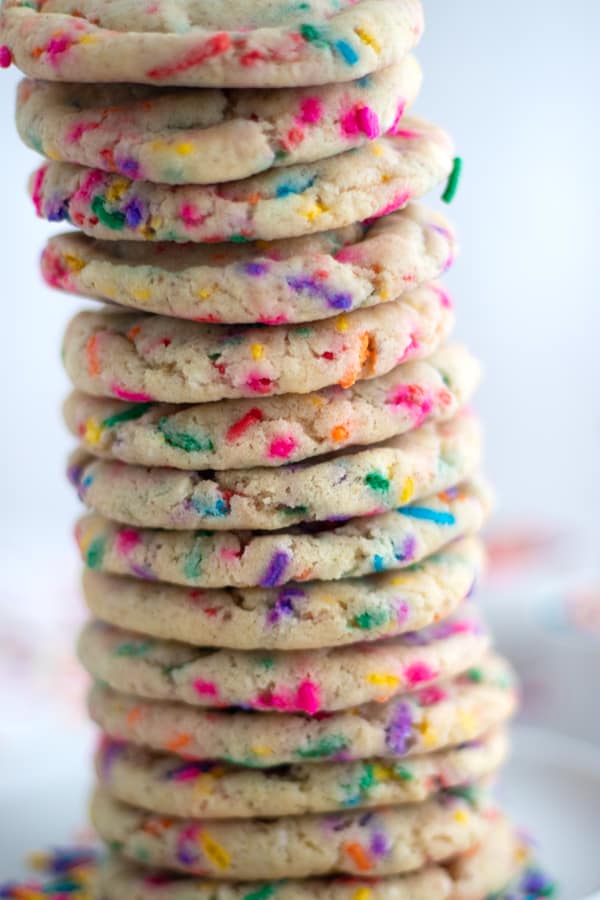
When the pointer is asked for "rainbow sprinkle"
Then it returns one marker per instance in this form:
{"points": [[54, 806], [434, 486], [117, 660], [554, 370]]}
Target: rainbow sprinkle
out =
{"points": [[453, 181], [64, 874]]}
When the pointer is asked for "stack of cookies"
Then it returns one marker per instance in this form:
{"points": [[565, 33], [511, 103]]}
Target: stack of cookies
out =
{"points": [[297, 694]]}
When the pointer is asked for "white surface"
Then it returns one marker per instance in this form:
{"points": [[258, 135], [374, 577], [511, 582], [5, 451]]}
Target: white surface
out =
{"points": [[552, 788]]}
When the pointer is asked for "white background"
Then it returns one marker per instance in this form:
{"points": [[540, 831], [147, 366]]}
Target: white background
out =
{"points": [[517, 84]]}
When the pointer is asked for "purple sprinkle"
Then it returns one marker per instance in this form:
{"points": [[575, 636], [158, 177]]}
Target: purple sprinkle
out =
{"points": [[110, 754], [276, 569], [302, 284], [379, 844], [402, 612], [134, 213], [408, 551], [535, 882], [256, 269], [399, 730], [128, 166], [57, 211], [142, 572], [285, 604]]}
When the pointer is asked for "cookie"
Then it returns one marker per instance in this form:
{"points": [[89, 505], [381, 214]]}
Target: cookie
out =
{"points": [[438, 717], [166, 784], [308, 681], [142, 358], [384, 842], [364, 183], [366, 482], [295, 617], [181, 136], [295, 280], [278, 430], [391, 541], [483, 871], [206, 44]]}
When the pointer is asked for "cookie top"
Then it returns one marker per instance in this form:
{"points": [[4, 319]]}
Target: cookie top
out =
{"points": [[243, 559], [166, 784], [308, 681], [294, 617], [278, 430], [384, 842], [182, 136], [198, 44], [295, 280], [366, 482], [485, 870], [436, 718], [364, 183]]}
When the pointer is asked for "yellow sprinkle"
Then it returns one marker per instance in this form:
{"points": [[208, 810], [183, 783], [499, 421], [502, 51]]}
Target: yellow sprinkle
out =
{"points": [[461, 816], [52, 152], [87, 39], [408, 490], [141, 294], [342, 324], [363, 893], [258, 351], [315, 211], [468, 722], [261, 750], [38, 861], [205, 784], [383, 680], [214, 851], [376, 149], [316, 400], [368, 39], [93, 432], [184, 149], [73, 262], [383, 294], [116, 190], [382, 773], [428, 733], [205, 293]]}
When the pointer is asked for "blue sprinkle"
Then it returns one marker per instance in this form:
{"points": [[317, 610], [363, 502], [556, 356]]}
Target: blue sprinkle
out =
{"points": [[288, 187], [134, 213], [347, 51], [428, 515], [378, 563]]}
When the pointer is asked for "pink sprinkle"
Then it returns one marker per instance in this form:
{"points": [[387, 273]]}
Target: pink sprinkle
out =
{"points": [[308, 697], [229, 555], [5, 57], [274, 701], [349, 254], [259, 384], [407, 134], [361, 120], [311, 111], [89, 185], [432, 695], [205, 688], [445, 299], [399, 114], [282, 447], [410, 349], [78, 130], [397, 202], [419, 672], [130, 396], [127, 540], [416, 401], [56, 46], [36, 194], [273, 320], [191, 216]]}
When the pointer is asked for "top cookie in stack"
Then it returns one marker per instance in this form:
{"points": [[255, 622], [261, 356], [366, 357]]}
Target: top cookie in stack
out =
{"points": [[275, 449]]}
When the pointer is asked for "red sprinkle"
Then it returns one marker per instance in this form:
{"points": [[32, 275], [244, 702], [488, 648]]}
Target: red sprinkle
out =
{"points": [[217, 44], [252, 417]]}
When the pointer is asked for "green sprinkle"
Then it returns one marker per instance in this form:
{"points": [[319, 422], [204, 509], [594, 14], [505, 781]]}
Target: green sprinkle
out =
{"points": [[113, 220], [371, 619], [468, 793], [133, 649], [193, 563], [475, 675], [312, 35], [453, 181], [263, 893], [294, 510], [303, 331], [182, 441], [403, 773], [377, 482], [95, 553], [325, 747], [368, 779], [128, 415], [268, 662], [239, 239]]}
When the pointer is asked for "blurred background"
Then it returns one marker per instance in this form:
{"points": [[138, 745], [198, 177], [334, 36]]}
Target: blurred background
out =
{"points": [[517, 85]]}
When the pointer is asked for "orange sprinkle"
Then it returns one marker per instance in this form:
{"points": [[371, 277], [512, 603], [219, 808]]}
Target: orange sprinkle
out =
{"points": [[359, 856], [340, 433], [93, 360], [178, 742], [157, 826], [133, 332], [134, 715], [347, 380]]}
